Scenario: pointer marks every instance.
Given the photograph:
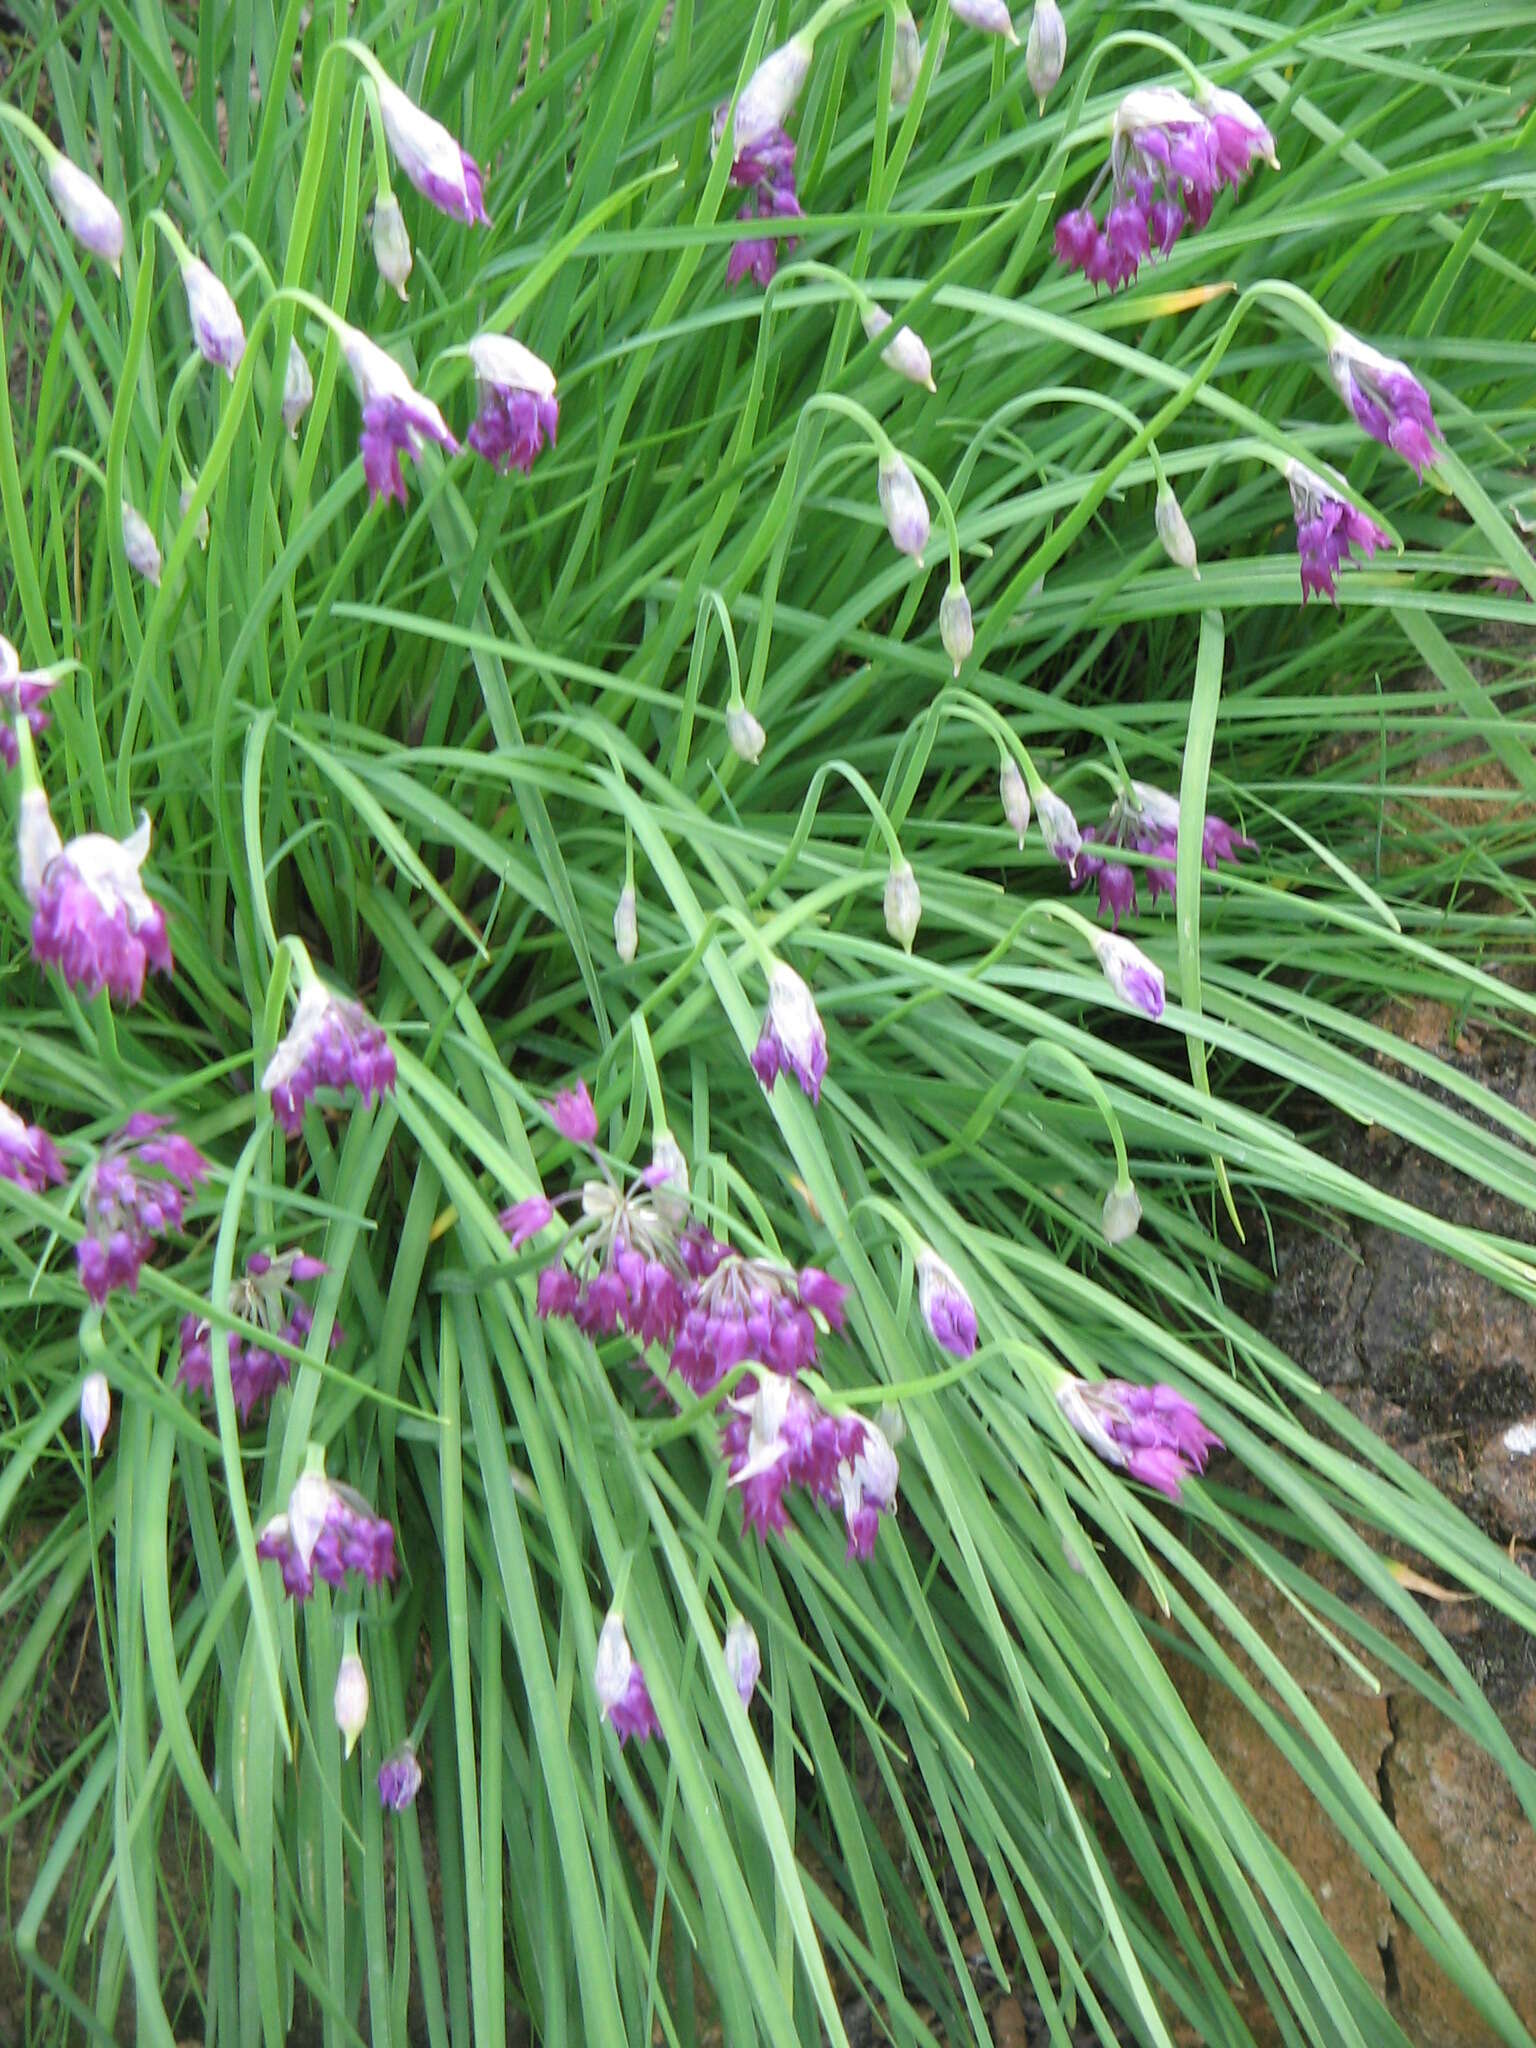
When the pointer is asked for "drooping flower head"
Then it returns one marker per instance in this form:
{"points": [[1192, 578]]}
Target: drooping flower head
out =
{"points": [[1173, 531], [1122, 1212], [86, 211], [764, 162], [1014, 792], [767, 98], [1168, 160], [619, 1684], [1145, 819], [327, 1532], [793, 1039], [28, 1156], [91, 914], [397, 419], [778, 1435], [216, 327], [739, 1308], [331, 1043], [267, 1296], [1153, 1433], [947, 1309], [1388, 401], [867, 1482], [1058, 827], [574, 1115], [745, 734], [95, 1410], [518, 408], [399, 1779], [440, 169], [22, 691], [136, 1192], [1327, 527], [1133, 977]]}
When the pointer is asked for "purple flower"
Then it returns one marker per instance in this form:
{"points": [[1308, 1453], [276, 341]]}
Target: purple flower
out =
{"points": [[267, 1297], [777, 1435], [947, 1309], [766, 171], [867, 1482], [440, 170], [526, 1219], [738, 1309], [22, 691], [399, 1779], [396, 417], [620, 1685], [575, 1118], [1387, 400], [1153, 1433], [1241, 135], [1168, 160], [215, 320], [328, 1531], [91, 914], [86, 211], [1133, 977], [1327, 527], [793, 1039], [1146, 819], [28, 1155], [331, 1043], [518, 408], [136, 1192]]}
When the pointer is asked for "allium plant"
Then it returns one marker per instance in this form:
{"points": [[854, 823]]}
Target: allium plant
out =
{"points": [[650, 1359]]}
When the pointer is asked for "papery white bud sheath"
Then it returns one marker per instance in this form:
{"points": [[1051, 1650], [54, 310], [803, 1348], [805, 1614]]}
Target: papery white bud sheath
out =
{"points": [[746, 736], [1173, 531], [626, 936], [95, 1410], [903, 905], [351, 1699]]}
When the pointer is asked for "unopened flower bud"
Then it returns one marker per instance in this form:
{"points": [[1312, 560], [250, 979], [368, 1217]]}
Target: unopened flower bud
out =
{"points": [[743, 1657], [906, 60], [947, 1309], [391, 243], [1058, 828], [1045, 53], [626, 937], [1015, 795], [351, 1699], [298, 388], [95, 1410], [668, 1179], [140, 545], [903, 905], [1122, 1212], [216, 327], [746, 736], [990, 16], [201, 529], [1133, 977], [904, 506], [1173, 531], [957, 633], [904, 352], [399, 1779], [86, 211]]}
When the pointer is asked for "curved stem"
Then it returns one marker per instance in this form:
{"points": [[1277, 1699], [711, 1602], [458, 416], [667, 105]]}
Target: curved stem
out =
{"points": [[1084, 1077]]}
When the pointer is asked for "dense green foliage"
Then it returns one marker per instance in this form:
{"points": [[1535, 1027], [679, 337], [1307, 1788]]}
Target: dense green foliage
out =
{"points": [[433, 742]]}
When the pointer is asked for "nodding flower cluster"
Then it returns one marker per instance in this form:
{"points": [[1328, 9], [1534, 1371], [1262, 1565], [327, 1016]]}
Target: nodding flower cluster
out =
{"points": [[91, 914], [764, 162], [136, 1192], [326, 1532], [1146, 820], [634, 1260], [1327, 527], [331, 1043], [267, 1296], [22, 691], [1153, 1433], [1169, 157], [28, 1156], [793, 1039]]}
